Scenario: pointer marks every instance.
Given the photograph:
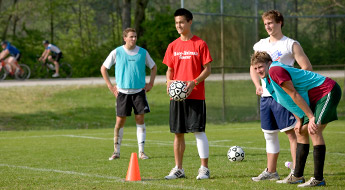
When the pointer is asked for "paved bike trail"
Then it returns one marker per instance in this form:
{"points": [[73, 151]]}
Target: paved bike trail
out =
{"points": [[159, 79]]}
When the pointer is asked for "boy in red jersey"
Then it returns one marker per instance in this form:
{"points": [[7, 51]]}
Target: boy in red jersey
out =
{"points": [[188, 59]]}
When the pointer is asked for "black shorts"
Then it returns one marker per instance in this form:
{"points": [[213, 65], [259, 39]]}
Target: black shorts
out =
{"points": [[125, 103], [17, 56], [187, 116], [57, 56]]}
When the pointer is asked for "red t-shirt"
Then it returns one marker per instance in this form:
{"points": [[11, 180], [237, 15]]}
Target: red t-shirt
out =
{"points": [[280, 75], [187, 58]]}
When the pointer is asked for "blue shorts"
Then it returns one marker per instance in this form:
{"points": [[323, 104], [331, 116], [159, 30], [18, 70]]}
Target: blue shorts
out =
{"points": [[274, 117]]}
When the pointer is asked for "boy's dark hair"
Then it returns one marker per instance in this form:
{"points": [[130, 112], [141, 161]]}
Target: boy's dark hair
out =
{"points": [[184, 12], [4, 42], [128, 30]]}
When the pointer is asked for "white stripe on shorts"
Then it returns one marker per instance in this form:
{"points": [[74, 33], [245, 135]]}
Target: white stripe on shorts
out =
{"points": [[323, 109]]}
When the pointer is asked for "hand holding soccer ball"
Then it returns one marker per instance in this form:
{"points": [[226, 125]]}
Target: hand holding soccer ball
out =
{"points": [[178, 90]]}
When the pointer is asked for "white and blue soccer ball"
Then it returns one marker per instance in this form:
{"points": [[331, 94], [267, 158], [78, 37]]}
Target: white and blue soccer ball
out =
{"points": [[236, 154], [178, 90]]}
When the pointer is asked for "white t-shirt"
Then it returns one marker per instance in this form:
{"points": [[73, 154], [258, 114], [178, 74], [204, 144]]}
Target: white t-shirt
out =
{"points": [[54, 48], [279, 51], [111, 60]]}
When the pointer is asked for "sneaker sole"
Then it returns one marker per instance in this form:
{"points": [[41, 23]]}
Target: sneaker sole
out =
{"points": [[295, 182], [114, 158], [318, 185], [199, 178], [175, 178], [257, 180], [321, 184]]}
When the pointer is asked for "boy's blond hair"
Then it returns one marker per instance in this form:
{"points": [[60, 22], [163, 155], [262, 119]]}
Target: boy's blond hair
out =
{"points": [[275, 15], [260, 57]]}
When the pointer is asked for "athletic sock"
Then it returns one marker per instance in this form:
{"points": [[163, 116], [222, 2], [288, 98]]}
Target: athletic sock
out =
{"points": [[319, 154], [118, 134], [202, 144], [141, 136], [301, 158]]}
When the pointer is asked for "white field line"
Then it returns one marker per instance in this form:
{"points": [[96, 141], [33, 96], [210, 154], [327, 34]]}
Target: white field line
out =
{"points": [[156, 142], [100, 138], [149, 142], [167, 131], [116, 179]]}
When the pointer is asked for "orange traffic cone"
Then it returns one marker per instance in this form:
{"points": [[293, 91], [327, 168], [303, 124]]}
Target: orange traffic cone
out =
{"points": [[133, 173]]}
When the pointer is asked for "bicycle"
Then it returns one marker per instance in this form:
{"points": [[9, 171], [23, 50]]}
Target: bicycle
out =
{"points": [[46, 69], [23, 73]]}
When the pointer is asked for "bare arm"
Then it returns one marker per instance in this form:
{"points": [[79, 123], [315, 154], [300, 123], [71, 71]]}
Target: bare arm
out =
{"points": [[301, 57], [169, 77], [256, 81], [149, 85], [288, 87], [4, 53], [44, 55], [106, 78]]}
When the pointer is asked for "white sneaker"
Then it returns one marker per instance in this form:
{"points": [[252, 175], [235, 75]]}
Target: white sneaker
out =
{"points": [[313, 182], [143, 156], [291, 179], [114, 156], [265, 175], [55, 75], [175, 173], [204, 173]]}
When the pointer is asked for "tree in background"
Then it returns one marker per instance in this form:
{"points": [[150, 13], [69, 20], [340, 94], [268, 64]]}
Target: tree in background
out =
{"points": [[140, 16], [87, 30]]}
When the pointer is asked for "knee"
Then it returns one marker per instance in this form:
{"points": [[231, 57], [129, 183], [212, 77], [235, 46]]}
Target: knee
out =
{"points": [[139, 119], [10, 60], [200, 135], [272, 143]]}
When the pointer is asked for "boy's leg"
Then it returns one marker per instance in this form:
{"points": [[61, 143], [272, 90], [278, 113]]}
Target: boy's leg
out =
{"points": [[179, 148], [302, 151], [293, 145], [272, 149], [56, 66], [203, 150], [118, 135], [203, 147], [141, 134], [11, 66], [319, 152], [270, 128]]}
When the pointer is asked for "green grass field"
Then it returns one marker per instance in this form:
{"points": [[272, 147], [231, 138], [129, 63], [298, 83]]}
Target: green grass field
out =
{"points": [[78, 159], [61, 137]]}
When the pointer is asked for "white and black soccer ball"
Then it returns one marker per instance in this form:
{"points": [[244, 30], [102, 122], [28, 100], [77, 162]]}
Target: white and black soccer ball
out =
{"points": [[236, 154], [178, 90]]}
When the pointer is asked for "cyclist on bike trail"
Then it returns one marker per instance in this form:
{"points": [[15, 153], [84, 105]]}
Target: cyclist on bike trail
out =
{"points": [[54, 58], [11, 62]]}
